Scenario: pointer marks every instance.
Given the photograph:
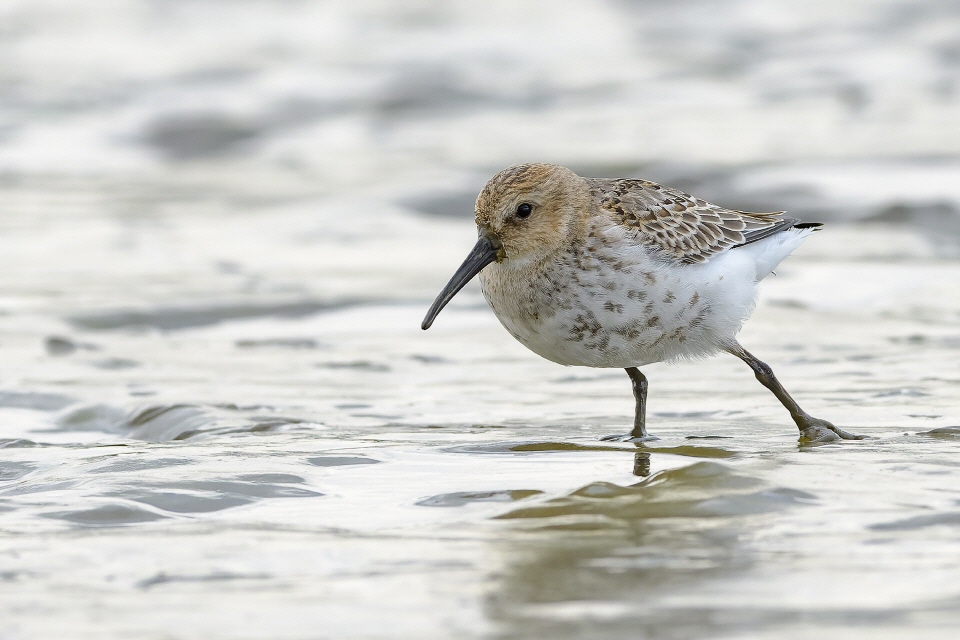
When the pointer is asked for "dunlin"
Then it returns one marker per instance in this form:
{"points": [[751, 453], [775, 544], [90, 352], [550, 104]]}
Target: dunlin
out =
{"points": [[623, 273]]}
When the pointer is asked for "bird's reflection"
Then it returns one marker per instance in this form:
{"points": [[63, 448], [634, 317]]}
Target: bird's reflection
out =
{"points": [[641, 464]]}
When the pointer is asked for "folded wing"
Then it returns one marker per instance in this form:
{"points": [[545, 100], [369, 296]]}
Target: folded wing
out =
{"points": [[678, 225]]}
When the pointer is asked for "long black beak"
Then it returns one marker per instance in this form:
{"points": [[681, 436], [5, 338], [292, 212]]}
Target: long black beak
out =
{"points": [[482, 254]]}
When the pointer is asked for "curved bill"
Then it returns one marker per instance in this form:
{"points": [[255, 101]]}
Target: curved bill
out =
{"points": [[482, 254]]}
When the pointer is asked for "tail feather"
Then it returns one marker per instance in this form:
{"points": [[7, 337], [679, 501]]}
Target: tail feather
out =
{"points": [[772, 248]]}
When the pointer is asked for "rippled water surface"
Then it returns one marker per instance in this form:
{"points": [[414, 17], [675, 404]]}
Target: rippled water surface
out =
{"points": [[223, 222]]}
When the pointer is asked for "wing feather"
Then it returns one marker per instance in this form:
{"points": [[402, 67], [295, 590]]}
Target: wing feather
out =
{"points": [[679, 226]]}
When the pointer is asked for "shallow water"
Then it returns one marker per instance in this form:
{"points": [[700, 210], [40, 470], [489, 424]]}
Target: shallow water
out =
{"points": [[223, 223]]}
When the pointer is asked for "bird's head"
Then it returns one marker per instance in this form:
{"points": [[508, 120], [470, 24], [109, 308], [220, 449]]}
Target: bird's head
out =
{"points": [[524, 214]]}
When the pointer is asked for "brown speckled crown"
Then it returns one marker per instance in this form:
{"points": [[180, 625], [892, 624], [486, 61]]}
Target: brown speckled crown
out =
{"points": [[518, 178]]}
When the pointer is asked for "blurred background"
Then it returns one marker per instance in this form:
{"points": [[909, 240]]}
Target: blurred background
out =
{"points": [[222, 220], [199, 150]]}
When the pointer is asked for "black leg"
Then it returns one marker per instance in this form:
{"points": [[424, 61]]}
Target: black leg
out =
{"points": [[640, 394], [811, 428], [639, 432]]}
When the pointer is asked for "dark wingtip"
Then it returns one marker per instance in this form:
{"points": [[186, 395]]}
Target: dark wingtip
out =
{"points": [[783, 225]]}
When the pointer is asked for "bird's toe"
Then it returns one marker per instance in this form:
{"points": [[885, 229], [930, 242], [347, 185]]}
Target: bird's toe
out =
{"points": [[628, 437], [818, 431]]}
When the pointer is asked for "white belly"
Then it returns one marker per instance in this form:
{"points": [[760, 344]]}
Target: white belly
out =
{"points": [[627, 312]]}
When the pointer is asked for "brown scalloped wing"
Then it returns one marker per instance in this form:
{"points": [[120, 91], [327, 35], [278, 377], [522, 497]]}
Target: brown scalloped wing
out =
{"points": [[675, 223]]}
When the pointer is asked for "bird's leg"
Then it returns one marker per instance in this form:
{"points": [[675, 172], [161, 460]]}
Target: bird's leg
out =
{"points": [[639, 432], [812, 429], [639, 382]]}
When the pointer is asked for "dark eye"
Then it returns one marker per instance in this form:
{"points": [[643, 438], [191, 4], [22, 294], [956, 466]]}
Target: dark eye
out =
{"points": [[524, 210]]}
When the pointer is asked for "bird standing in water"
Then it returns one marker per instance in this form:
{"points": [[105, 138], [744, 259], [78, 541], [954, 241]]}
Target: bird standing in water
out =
{"points": [[623, 273]]}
